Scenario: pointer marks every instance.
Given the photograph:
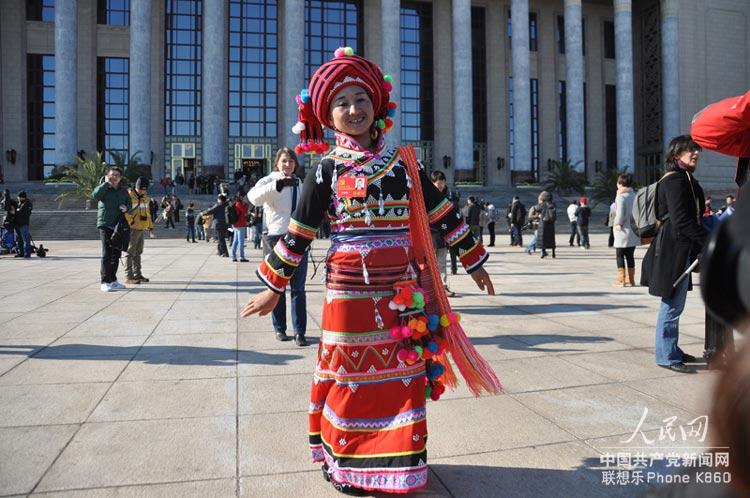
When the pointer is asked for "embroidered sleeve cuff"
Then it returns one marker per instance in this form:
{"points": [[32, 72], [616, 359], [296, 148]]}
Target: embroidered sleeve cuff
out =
{"points": [[474, 258], [273, 280]]}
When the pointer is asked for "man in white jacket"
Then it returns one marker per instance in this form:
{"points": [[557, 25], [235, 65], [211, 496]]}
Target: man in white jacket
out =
{"points": [[573, 219], [279, 193]]}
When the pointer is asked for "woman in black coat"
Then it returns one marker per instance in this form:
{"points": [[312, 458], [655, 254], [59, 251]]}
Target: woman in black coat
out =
{"points": [[547, 218], [679, 205]]}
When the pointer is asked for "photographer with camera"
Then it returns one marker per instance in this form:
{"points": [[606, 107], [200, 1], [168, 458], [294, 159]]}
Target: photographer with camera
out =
{"points": [[139, 219], [114, 202], [278, 193]]}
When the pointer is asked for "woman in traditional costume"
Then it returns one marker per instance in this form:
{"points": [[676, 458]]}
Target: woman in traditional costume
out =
{"points": [[386, 328]]}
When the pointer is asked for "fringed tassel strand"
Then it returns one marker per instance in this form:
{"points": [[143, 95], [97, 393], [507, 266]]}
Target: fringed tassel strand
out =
{"points": [[477, 373]]}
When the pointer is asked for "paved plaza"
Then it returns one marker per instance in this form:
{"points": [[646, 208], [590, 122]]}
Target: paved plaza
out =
{"points": [[163, 391]]}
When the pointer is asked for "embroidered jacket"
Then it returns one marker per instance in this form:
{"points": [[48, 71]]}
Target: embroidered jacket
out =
{"points": [[386, 209]]}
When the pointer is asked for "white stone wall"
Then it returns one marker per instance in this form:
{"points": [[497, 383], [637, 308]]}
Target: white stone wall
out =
{"points": [[714, 64], [13, 61]]}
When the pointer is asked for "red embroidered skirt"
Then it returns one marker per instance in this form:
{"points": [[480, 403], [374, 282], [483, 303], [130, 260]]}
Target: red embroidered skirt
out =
{"points": [[367, 417]]}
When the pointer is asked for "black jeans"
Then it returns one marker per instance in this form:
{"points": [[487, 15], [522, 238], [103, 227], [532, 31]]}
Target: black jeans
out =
{"points": [[454, 260], [110, 257], [222, 243], [624, 253], [491, 228], [583, 231]]}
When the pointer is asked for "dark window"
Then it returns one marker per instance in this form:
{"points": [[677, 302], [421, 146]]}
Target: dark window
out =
{"points": [[112, 102], [416, 112], [328, 26], [40, 107], [610, 117], [609, 40], [40, 10], [533, 32], [253, 55], [534, 110], [183, 52], [479, 74], [114, 12], [562, 122], [560, 35]]}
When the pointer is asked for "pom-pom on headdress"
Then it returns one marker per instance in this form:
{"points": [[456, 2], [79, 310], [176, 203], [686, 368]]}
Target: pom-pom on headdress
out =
{"points": [[314, 103]]}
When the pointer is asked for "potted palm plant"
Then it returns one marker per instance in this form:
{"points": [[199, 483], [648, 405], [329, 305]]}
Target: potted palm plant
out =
{"points": [[564, 179], [85, 176], [131, 166]]}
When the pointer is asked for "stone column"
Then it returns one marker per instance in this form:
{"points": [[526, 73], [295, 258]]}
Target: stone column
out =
{"points": [[521, 86], [390, 20], [66, 81], [463, 120], [292, 66], [670, 74], [574, 83], [214, 105], [139, 89], [624, 89]]}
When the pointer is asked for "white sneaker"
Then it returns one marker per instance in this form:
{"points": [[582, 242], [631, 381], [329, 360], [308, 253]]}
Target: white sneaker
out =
{"points": [[106, 288], [117, 286]]}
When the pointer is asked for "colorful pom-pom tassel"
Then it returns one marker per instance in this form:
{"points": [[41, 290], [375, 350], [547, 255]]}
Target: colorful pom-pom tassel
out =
{"points": [[339, 52], [380, 123], [396, 332], [428, 392], [298, 150], [445, 321], [387, 86], [388, 123], [402, 355], [388, 78], [433, 347], [392, 105], [348, 51], [391, 113]]}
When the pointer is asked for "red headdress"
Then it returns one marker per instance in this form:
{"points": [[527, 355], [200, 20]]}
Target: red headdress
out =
{"points": [[314, 103]]}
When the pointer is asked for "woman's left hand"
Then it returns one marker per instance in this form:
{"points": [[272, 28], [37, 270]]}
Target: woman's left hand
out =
{"points": [[482, 279]]}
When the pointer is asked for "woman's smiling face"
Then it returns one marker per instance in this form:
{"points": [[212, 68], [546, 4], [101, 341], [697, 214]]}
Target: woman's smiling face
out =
{"points": [[352, 113]]}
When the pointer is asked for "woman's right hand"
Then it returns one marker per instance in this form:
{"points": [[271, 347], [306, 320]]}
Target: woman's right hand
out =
{"points": [[262, 304]]}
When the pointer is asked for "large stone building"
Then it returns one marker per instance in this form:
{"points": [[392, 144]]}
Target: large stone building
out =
{"points": [[209, 85]]}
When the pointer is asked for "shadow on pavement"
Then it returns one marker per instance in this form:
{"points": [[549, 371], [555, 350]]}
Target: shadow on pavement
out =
{"points": [[479, 481], [541, 309], [532, 341], [154, 355]]}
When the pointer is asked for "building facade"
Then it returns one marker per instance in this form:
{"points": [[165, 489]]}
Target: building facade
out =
{"points": [[490, 91]]}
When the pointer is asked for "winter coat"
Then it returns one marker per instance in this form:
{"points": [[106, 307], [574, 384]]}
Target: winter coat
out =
{"points": [[473, 214], [518, 214], [139, 216], [110, 199], [218, 211], [23, 213], [623, 213], [277, 206], [241, 208], [680, 203], [546, 234]]}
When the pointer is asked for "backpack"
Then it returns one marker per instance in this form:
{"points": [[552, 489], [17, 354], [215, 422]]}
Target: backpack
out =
{"points": [[549, 213], [643, 218], [230, 215]]}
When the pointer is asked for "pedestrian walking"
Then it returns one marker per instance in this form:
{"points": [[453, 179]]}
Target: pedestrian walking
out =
{"points": [[583, 216], [517, 221], [573, 219], [21, 225], [547, 218], [239, 226], [626, 239], [190, 223]]}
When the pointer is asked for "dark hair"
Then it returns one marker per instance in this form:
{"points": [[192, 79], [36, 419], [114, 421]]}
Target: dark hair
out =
{"points": [[626, 180], [729, 197], [471, 199], [290, 153], [110, 169], [191, 204], [677, 147], [222, 197], [437, 176]]}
